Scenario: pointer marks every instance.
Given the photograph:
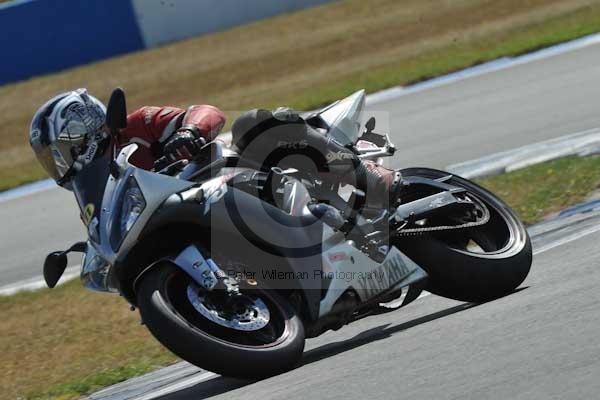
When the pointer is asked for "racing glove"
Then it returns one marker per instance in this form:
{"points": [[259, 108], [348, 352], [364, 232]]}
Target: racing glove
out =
{"points": [[184, 144]]}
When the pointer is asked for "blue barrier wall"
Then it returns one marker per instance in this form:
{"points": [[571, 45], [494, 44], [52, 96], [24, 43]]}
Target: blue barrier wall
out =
{"points": [[41, 36]]}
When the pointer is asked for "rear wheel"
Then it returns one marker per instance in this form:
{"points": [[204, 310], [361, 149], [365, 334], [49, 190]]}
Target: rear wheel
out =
{"points": [[256, 334], [473, 264]]}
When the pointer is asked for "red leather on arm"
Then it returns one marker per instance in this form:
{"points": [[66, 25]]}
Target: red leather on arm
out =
{"points": [[207, 119], [148, 123], [144, 127]]}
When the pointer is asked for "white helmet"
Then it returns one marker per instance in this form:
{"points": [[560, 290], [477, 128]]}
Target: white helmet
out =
{"points": [[67, 133]]}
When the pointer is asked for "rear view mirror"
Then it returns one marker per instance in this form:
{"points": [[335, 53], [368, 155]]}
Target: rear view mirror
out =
{"points": [[54, 266], [79, 247], [116, 112], [370, 125]]}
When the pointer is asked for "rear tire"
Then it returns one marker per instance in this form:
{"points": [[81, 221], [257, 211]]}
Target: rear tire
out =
{"points": [[171, 318], [456, 272]]}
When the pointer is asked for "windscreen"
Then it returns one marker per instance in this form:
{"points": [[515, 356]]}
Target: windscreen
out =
{"points": [[343, 118], [89, 185]]}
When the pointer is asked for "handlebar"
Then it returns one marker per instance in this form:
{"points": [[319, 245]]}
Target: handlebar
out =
{"points": [[167, 167]]}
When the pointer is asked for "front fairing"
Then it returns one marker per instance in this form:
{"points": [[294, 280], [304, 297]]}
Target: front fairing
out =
{"points": [[155, 189], [101, 198]]}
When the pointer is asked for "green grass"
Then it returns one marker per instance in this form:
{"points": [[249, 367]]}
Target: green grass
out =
{"points": [[92, 383], [21, 174], [371, 45], [454, 57], [67, 342], [542, 189]]}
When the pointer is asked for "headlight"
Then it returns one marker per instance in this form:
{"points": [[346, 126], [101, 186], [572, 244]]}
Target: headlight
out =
{"points": [[132, 205]]}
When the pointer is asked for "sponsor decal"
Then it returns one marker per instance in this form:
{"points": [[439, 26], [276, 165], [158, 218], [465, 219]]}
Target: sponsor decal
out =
{"points": [[35, 138], [338, 156], [215, 189], [337, 257], [389, 273], [90, 153], [147, 116], [302, 144], [35, 134], [88, 213]]}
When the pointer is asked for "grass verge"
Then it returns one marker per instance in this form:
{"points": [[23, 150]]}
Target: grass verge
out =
{"points": [[68, 342], [546, 188], [303, 59]]}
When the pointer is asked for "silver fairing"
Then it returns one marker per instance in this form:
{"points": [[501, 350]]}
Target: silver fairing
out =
{"points": [[351, 269], [155, 189], [96, 272]]}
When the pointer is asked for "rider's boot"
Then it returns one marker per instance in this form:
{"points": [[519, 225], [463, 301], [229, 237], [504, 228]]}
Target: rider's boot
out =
{"points": [[382, 185], [272, 137]]}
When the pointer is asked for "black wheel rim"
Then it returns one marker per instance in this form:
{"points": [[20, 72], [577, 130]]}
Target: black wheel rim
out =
{"points": [[492, 237], [275, 332], [502, 236]]}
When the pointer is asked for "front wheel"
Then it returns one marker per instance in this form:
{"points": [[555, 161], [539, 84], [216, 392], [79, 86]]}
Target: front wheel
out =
{"points": [[255, 335], [474, 264]]}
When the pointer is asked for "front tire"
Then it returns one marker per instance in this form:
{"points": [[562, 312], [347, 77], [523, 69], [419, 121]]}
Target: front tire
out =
{"points": [[455, 271], [173, 320]]}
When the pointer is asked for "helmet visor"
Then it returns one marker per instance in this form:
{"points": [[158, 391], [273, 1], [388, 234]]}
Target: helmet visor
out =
{"points": [[46, 158]]}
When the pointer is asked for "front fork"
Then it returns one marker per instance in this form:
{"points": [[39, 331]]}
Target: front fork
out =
{"points": [[203, 271]]}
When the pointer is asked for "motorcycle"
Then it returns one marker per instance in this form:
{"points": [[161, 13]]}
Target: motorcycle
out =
{"points": [[233, 264]]}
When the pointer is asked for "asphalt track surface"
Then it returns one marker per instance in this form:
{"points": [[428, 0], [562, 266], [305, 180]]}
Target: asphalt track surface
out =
{"points": [[540, 342], [437, 127]]}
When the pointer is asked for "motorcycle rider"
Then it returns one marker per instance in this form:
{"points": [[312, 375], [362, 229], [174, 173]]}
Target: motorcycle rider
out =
{"points": [[68, 132]]}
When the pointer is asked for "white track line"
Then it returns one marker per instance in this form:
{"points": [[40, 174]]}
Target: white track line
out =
{"points": [[486, 68], [38, 282], [177, 386], [578, 143], [26, 190], [567, 239]]}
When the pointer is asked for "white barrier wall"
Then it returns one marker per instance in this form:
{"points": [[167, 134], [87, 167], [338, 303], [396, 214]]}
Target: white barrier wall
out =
{"points": [[164, 21]]}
